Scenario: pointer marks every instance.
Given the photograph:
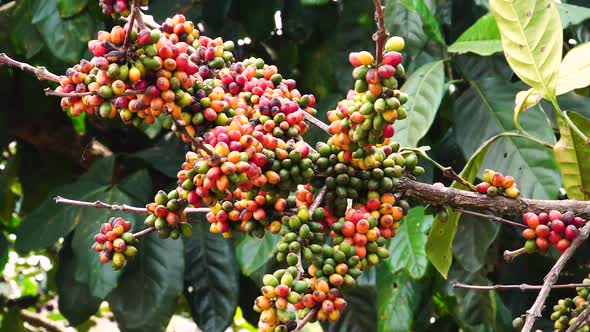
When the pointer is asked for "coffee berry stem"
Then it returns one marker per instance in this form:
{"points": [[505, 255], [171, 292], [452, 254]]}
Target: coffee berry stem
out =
{"points": [[581, 319], [146, 19], [144, 232], [41, 72], [491, 217], [114, 207], [197, 142], [317, 122], [510, 255], [50, 92], [134, 7], [306, 320], [521, 287], [381, 35]]}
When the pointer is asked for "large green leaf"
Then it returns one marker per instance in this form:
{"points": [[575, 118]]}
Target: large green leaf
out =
{"points": [[76, 302], [429, 22], [68, 8], [405, 23], [66, 39], [407, 248], [399, 300], [146, 296], [571, 14], [572, 155], [101, 278], [485, 110], [575, 69], [482, 38], [532, 38], [166, 156], [472, 241], [211, 280], [252, 253], [46, 224], [426, 88]]}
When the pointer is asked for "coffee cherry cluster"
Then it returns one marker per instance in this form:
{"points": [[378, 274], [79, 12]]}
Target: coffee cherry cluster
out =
{"points": [[495, 183], [114, 243], [550, 228], [566, 311], [300, 231], [280, 289], [167, 215], [118, 7], [327, 300], [365, 118]]}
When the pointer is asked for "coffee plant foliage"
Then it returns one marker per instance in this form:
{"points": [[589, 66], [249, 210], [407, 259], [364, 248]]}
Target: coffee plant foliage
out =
{"points": [[463, 83]]}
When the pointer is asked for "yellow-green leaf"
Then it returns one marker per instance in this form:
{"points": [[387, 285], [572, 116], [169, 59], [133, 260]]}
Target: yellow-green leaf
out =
{"points": [[523, 101], [532, 38], [572, 155], [575, 69]]}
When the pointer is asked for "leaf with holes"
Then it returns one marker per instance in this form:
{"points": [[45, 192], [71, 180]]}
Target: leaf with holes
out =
{"points": [[532, 38], [482, 38], [572, 155], [407, 249], [211, 279], [146, 296], [426, 86]]}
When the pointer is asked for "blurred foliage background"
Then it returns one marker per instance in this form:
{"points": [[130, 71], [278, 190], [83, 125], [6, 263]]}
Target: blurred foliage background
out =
{"points": [[45, 250]]}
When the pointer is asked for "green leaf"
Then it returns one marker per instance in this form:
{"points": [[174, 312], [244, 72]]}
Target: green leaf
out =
{"points": [[12, 322], [429, 22], [407, 249], [572, 155], [211, 280], [146, 296], [572, 15], [46, 224], [406, 24], [574, 72], [69, 8], [314, 2], [166, 156], [426, 88], [101, 278], [360, 314], [252, 253], [8, 177], [399, 300], [472, 241], [76, 302], [482, 38], [488, 105], [66, 39], [532, 38]]}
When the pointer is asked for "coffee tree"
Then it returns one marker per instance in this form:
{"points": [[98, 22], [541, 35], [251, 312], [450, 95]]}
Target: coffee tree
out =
{"points": [[337, 212]]}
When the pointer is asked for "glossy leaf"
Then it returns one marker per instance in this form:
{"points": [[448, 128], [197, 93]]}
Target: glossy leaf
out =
{"points": [[426, 86], [531, 38], [571, 14], [75, 301], [211, 280], [474, 237], [429, 22], [575, 69], [166, 156], [68, 8], [252, 253], [360, 314], [406, 24], [572, 154], [399, 300], [407, 249], [482, 38], [151, 283]]}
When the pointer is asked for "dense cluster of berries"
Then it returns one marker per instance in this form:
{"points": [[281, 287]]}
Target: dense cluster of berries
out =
{"points": [[566, 311], [495, 183], [114, 243], [365, 118], [550, 228], [167, 215], [118, 7]]}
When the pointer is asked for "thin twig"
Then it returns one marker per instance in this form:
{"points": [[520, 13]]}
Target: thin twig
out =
{"points": [[521, 287], [50, 92], [40, 321], [580, 320], [139, 18], [197, 142], [318, 199], [127, 39], [123, 208], [381, 35], [510, 255], [299, 266], [148, 20], [41, 72], [306, 319], [144, 232], [491, 217], [535, 311], [317, 122]]}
